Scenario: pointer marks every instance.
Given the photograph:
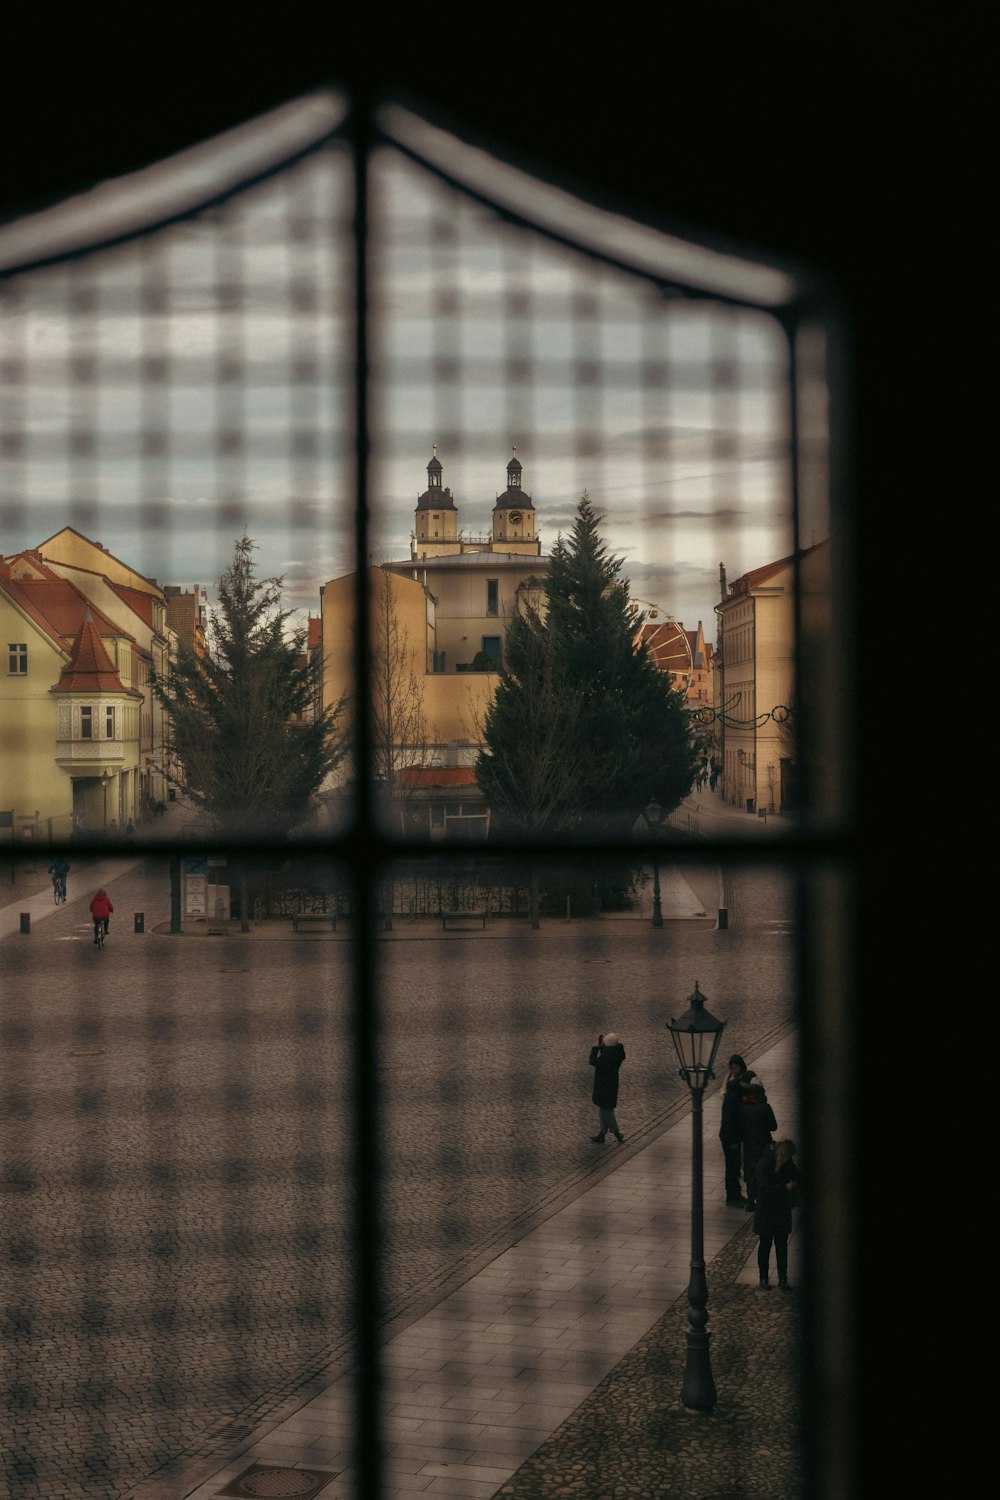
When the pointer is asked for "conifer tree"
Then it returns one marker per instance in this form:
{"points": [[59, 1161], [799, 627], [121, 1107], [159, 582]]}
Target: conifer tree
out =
{"points": [[248, 733], [584, 730]]}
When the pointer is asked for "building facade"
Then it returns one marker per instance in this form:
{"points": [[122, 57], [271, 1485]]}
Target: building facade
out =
{"points": [[756, 688], [70, 725], [451, 599], [136, 608]]}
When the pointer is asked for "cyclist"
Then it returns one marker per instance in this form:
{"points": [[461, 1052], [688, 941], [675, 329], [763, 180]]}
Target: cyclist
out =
{"points": [[101, 909], [59, 869]]}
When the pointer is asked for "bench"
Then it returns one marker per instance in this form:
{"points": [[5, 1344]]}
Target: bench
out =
{"points": [[314, 919], [464, 917]]}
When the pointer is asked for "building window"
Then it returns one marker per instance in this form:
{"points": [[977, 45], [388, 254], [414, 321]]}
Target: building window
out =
{"points": [[86, 723], [491, 647], [492, 596], [17, 659], [109, 723]]}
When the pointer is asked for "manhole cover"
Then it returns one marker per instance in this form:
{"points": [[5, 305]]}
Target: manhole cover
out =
{"points": [[279, 1483]]}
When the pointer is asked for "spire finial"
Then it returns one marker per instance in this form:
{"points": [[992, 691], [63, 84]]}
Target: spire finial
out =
{"points": [[434, 449], [513, 449]]}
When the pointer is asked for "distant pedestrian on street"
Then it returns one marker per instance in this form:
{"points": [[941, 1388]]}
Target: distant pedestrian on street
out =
{"points": [[129, 830], [101, 909], [729, 1130], [777, 1176], [756, 1121], [606, 1058], [713, 779]]}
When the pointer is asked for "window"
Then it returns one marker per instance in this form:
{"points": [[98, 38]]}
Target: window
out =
{"points": [[616, 333], [17, 659]]}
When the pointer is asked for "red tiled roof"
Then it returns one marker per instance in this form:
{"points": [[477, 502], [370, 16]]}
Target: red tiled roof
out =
{"points": [[55, 604], [89, 669], [437, 776], [136, 600]]}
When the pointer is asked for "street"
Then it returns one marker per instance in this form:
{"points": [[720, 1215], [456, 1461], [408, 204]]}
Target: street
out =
{"points": [[177, 1129]]}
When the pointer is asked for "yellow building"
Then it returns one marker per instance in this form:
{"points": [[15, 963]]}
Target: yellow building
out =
{"points": [[755, 678], [70, 714], [139, 606], [453, 703]]}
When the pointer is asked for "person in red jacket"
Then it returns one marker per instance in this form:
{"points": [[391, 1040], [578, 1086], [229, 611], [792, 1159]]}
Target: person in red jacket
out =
{"points": [[101, 909]]}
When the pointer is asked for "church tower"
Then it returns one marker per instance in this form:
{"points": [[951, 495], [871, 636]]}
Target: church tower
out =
{"points": [[436, 516], [514, 514]]}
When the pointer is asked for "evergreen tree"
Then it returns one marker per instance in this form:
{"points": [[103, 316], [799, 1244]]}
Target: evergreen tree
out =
{"points": [[248, 733], [584, 730]]}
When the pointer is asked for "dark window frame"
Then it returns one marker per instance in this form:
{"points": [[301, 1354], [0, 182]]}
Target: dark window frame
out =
{"points": [[824, 851]]}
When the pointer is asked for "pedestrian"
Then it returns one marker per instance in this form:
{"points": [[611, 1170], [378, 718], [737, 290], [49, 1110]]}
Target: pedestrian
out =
{"points": [[756, 1121], [129, 830], [101, 909], [777, 1192], [606, 1058], [712, 780], [729, 1130]]}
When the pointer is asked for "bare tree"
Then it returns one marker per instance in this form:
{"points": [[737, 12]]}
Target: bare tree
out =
{"points": [[400, 734]]}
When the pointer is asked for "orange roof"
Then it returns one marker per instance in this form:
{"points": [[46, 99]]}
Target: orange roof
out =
{"points": [[437, 776], [136, 600], [56, 605], [89, 669]]}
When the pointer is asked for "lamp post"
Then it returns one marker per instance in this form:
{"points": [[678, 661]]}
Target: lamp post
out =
{"points": [[653, 815], [696, 1036], [105, 783]]}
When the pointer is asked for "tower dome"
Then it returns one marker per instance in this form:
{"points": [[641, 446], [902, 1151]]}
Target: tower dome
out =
{"points": [[513, 513], [436, 515]]}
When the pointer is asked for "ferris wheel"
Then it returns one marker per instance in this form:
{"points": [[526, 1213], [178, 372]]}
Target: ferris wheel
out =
{"points": [[666, 640]]}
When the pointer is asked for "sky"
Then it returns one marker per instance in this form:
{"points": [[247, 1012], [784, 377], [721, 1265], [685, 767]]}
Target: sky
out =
{"points": [[165, 395]]}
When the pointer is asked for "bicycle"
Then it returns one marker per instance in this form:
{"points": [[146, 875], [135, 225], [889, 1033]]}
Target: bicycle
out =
{"points": [[58, 888], [100, 935]]}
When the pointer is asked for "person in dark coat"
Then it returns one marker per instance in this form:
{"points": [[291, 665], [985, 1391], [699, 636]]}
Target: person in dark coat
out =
{"points": [[729, 1130], [756, 1121], [606, 1058], [776, 1177]]}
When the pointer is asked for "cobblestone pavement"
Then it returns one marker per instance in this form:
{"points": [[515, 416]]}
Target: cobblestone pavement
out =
{"points": [[175, 1138], [633, 1438]]}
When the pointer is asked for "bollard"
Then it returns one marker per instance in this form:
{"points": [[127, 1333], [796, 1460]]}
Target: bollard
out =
{"points": [[26, 921], [140, 921], [723, 916]]}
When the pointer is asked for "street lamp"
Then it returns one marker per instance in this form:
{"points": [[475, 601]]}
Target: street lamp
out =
{"points": [[105, 783], [696, 1037], [654, 814]]}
